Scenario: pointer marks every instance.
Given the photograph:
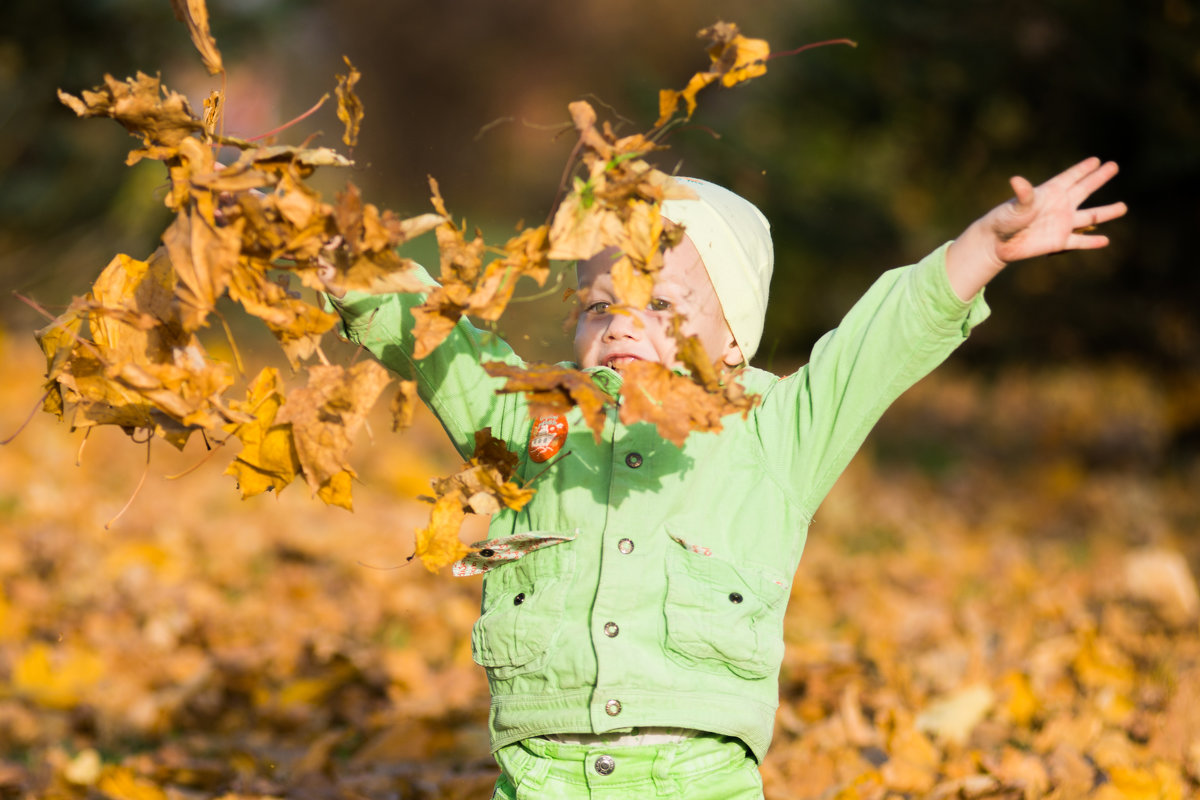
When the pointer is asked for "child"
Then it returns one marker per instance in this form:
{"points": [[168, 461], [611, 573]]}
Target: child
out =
{"points": [[632, 613]]}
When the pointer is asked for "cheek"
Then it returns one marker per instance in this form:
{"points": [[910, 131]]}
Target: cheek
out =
{"points": [[587, 335]]}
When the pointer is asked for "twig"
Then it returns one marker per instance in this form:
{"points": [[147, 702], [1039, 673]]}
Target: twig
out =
{"points": [[494, 123]]}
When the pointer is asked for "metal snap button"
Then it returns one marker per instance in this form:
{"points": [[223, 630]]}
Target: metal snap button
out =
{"points": [[625, 546], [605, 765], [633, 460], [735, 598], [520, 598], [611, 629], [612, 707]]}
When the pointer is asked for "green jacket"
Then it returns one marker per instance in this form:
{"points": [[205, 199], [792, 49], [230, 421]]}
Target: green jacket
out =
{"points": [[660, 596]]}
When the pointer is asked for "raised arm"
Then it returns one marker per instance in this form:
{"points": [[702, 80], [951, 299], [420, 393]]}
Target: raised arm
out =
{"points": [[1037, 221]]}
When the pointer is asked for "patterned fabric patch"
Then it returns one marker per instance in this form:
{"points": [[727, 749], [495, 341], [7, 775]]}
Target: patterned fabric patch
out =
{"points": [[491, 553], [695, 548]]}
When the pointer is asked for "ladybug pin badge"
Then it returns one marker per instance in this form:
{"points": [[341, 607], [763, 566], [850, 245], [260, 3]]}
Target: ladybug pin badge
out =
{"points": [[547, 437]]}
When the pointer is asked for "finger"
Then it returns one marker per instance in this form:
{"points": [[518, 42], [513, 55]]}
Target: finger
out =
{"points": [[1080, 241], [1092, 181], [1073, 175], [1087, 217]]}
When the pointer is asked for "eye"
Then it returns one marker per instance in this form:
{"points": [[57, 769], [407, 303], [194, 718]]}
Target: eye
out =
{"points": [[659, 304], [599, 307]]}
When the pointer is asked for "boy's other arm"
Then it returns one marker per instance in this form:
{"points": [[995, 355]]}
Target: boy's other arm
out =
{"points": [[1037, 221]]}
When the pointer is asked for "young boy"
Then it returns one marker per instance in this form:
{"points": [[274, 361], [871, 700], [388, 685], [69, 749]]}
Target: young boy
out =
{"points": [[632, 612]]}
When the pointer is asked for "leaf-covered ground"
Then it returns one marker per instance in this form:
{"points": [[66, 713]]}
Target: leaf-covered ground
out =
{"points": [[997, 601]]}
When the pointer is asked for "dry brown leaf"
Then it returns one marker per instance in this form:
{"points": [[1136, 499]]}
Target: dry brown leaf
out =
{"points": [[194, 13], [404, 405], [734, 58], [143, 105], [482, 486], [553, 390], [325, 415], [676, 404]]}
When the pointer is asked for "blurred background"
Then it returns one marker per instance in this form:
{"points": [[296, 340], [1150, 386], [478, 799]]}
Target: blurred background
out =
{"points": [[862, 158], [1053, 466]]}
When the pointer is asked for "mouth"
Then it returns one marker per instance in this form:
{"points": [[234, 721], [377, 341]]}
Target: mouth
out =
{"points": [[619, 360]]}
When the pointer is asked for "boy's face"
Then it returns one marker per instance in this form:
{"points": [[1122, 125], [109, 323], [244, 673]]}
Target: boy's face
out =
{"points": [[614, 338]]}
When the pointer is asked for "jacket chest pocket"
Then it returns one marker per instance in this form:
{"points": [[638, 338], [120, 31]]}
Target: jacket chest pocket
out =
{"points": [[523, 605], [721, 617]]}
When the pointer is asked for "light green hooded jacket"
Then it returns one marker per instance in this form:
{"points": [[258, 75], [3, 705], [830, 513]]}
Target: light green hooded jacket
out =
{"points": [[660, 596]]}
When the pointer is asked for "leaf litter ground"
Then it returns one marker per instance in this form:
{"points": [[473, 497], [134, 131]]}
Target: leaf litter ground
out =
{"points": [[1010, 613]]}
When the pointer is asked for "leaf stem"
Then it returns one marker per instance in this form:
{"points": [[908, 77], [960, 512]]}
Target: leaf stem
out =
{"points": [[810, 46], [136, 490], [28, 419], [292, 122]]}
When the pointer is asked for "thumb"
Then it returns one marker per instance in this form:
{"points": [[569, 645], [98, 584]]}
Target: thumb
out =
{"points": [[1023, 190]]}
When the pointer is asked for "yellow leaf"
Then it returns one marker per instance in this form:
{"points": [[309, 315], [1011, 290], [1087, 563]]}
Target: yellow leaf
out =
{"points": [[56, 677], [1020, 703], [350, 109], [438, 544], [336, 490], [952, 718], [122, 783], [268, 459]]}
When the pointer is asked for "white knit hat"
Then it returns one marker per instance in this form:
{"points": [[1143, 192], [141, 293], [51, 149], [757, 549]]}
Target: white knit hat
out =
{"points": [[734, 240]]}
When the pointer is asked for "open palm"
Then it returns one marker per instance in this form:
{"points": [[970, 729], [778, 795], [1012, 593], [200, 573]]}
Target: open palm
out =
{"points": [[1047, 218]]}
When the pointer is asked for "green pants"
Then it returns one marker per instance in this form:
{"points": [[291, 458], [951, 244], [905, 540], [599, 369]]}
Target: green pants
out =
{"points": [[703, 768]]}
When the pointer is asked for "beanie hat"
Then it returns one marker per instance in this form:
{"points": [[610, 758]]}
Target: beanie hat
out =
{"points": [[734, 240]]}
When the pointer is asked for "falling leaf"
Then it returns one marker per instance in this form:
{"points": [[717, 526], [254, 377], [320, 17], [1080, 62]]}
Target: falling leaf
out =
{"points": [[350, 109], [268, 459], [143, 105], [325, 415], [675, 403], [194, 13], [734, 58], [554, 390], [482, 486], [404, 405], [437, 544]]}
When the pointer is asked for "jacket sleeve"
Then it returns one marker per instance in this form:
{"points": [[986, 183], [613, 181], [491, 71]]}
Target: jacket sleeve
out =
{"points": [[811, 423], [450, 380]]}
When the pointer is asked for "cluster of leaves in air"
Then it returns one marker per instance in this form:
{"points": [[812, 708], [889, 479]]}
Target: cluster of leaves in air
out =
{"points": [[128, 354]]}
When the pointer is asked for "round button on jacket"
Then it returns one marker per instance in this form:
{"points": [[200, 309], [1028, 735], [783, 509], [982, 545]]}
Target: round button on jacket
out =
{"points": [[611, 629], [520, 598], [735, 597], [605, 765], [612, 707], [633, 460], [625, 546]]}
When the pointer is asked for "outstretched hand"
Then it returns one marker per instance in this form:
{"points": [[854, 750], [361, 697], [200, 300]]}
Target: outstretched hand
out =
{"points": [[1037, 221]]}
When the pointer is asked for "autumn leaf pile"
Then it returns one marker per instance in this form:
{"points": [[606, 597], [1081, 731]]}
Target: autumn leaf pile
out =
{"points": [[998, 600], [128, 354]]}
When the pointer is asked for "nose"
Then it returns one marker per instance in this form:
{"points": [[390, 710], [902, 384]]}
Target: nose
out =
{"points": [[622, 325]]}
